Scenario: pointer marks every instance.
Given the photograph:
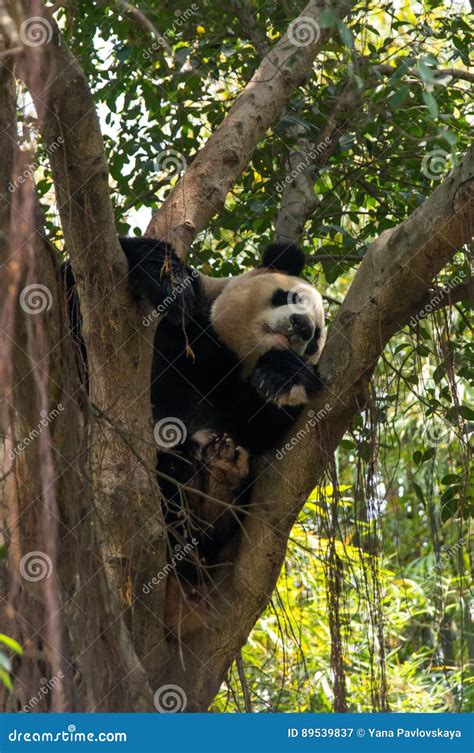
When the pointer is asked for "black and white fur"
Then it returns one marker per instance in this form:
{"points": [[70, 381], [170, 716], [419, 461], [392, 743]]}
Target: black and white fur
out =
{"points": [[234, 363]]}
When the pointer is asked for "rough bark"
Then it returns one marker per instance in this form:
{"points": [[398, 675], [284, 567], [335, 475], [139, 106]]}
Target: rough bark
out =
{"points": [[122, 446], [83, 654]]}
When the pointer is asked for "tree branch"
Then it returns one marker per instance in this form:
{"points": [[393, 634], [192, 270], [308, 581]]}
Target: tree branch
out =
{"points": [[438, 73], [254, 33], [70, 128], [441, 298], [298, 201], [393, 277], [202, 191]]}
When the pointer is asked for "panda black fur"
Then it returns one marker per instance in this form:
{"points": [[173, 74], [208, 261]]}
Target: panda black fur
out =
{"points": [[233, 364]]}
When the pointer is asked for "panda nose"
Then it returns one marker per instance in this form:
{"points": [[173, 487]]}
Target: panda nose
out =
{"points": [[301, 326]]}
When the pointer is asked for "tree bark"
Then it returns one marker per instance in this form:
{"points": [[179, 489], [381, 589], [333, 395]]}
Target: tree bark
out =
{"points": [[392, 280], [123, 452], [298, 201], [69, 622]]}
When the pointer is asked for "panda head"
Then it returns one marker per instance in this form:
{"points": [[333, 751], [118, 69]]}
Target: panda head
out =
{"points": [[271, 307]]}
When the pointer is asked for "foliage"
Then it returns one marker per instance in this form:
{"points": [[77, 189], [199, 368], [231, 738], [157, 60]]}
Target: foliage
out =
{"points": [[402, 485]]}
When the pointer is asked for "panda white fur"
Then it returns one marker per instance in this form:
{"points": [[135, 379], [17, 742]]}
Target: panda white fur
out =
{"points": [[234, 362]]}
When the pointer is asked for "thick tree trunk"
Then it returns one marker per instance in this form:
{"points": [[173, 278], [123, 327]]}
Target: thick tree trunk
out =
{"points": [[59, 605]]}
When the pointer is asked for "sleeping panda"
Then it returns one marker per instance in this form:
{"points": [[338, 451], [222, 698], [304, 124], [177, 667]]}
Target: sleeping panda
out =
{"points": [[233, 365]]}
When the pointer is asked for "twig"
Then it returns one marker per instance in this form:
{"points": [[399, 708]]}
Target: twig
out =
{"points": [[243, 682]]}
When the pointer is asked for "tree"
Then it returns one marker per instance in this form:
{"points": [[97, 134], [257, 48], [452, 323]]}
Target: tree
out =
{"points": [[81, 501]]}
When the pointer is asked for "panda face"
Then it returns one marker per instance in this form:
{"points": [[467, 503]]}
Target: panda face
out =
{"points": [[261, 310]]}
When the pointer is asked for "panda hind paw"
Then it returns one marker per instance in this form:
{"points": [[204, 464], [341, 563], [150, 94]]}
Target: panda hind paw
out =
{"points": [[222, 453]]}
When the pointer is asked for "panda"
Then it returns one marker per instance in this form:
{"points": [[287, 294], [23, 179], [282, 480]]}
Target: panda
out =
{"points": [[234, 363]]}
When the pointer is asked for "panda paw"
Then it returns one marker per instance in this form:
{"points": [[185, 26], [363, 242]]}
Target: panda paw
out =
{"points": [[220, 452], [284, 378], [158, 275]]}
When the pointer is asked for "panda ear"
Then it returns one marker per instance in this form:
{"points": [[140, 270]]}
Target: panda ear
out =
{"points": [[284, 257]]}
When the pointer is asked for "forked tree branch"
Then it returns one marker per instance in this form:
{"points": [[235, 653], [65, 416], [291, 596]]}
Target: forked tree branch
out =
{"points": [[201, 192], [394, 276]]}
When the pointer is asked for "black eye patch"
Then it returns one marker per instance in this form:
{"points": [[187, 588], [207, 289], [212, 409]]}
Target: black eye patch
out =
{"points": [[280, 297], [284, 297]]}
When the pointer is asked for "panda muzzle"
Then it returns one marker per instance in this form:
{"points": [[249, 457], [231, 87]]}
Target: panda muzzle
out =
{"points": [[301, 327]]}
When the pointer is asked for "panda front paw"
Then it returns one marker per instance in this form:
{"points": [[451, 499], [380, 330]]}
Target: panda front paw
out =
{"points": [[284, 378]]}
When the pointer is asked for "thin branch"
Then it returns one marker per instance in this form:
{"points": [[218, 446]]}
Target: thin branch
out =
{"points": [[440, 298], [298, 201], [438, 73], [71, 130], [243, 682], [137, 15]]}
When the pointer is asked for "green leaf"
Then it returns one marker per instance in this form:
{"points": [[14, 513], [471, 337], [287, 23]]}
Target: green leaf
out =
{"points": [[396, 100], [430, 453], [347, 444], [417, 456], [451, 478], [466, 412], [431, 104], [5, 678], [426, 72], [346, 35], [419, 493], [11, 643]]}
